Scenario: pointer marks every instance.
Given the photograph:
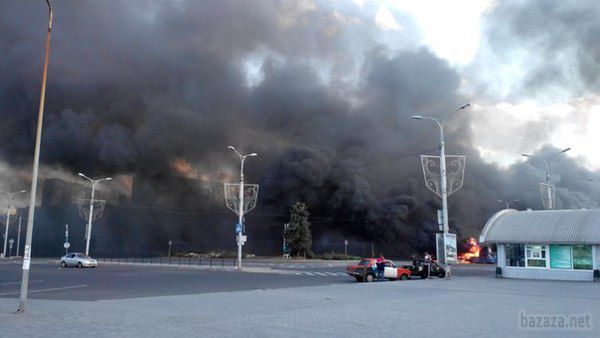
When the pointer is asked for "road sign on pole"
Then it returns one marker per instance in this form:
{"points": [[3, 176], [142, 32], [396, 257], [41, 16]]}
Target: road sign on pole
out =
{"points": [[238, 228]]}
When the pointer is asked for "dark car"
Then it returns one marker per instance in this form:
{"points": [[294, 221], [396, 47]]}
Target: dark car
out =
{"points": [[419, 268]]}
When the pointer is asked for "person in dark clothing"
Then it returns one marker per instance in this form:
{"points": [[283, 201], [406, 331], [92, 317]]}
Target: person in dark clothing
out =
{"points": [[380, 267]]}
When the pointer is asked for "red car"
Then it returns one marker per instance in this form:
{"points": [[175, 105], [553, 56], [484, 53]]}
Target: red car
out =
{"points": [[366, 270]]}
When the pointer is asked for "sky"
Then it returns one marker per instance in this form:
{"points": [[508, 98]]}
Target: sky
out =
{"points": [[567, 116]]}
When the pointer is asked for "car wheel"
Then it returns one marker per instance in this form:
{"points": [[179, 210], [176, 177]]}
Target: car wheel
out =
{"points": [[369, 278], [359, 279], [404, 277], [64, 264], [79, 265]]}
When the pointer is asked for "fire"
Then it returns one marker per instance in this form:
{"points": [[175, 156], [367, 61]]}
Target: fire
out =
{"points": [[474, 250]]}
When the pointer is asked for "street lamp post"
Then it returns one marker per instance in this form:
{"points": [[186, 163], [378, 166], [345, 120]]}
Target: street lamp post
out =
{"points": [[10, 199], [441, 122], [507, 203], [545, 159], [241, 203], [19, 232], [91, 215], [34, 176]]}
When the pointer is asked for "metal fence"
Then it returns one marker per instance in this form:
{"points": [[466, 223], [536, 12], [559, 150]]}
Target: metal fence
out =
{"points": [[172, 261]]}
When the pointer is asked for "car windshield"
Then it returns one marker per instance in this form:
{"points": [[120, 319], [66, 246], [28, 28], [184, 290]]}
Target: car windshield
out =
{"points": [[364, 262], [80, 255]]}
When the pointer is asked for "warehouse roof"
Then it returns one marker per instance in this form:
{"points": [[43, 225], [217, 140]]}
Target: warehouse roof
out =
{"points": [[544, 226]]}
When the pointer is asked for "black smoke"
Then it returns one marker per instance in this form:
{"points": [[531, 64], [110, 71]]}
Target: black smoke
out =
{"points": [[135, 86]]}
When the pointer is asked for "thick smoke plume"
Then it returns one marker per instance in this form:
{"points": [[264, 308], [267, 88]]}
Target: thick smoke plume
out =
{"points": [[149, 89]]}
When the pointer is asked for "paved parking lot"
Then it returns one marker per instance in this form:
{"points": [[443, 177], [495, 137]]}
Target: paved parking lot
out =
{"points": [[242, 304]]}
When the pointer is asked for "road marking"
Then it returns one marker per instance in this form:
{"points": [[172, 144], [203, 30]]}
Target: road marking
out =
{"points": [[320, 273], [45, 290], [332, 273], [31, 281]]}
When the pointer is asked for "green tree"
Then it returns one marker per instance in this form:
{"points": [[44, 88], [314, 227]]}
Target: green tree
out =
{"points": [[298, 235]]}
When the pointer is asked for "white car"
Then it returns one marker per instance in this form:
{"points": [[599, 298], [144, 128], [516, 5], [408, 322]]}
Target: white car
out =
{"points": [[79, 260]]}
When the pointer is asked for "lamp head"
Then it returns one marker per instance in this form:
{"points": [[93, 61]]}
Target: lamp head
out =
{"points": [[231, 147], [468, 104], [526, 155], [565, 150], [253, 154], [80, 174], [416, 117]]}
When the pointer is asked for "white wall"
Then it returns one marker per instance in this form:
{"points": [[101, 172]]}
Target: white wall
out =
{"points": [[543, 273], [546, 273]]}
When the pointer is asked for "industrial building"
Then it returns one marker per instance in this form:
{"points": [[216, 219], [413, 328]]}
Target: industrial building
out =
{"points": [[546, 244]]}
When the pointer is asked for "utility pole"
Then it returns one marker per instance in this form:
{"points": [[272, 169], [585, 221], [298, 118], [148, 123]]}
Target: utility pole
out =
{"points": [[66, 245], [88, 232], [285, 226], [34, 176], [240, 212], [8, 210]]}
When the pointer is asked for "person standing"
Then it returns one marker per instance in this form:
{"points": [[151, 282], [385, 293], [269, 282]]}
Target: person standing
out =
{"points": [[380, 267], [428, 261]]}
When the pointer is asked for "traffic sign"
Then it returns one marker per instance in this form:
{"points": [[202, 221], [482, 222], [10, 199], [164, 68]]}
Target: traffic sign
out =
{"points": [[11, 241], [67, 245], [238, 228]]}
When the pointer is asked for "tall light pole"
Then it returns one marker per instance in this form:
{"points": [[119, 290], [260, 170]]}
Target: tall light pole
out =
{"points": [[241, 203], [19, 232], [91, 215], [545, 159], [507, 203], [34, 176], [10, 199], [441, 122]]}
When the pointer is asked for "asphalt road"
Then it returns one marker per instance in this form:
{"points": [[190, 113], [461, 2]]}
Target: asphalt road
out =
{"points": [[49, 281]]}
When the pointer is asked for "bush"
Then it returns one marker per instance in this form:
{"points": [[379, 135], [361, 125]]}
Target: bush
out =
{"points": [[338, 257]]}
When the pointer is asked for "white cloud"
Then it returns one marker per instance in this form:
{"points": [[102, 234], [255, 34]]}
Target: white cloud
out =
{"points": [[385, 19]]}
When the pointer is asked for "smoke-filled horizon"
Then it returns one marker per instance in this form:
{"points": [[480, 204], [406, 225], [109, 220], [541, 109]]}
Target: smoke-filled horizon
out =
{"points": [[140, 88]]}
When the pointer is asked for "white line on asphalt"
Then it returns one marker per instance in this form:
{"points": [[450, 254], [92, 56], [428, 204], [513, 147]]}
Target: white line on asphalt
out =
{"points": [[320, 273], [308, 273], [45, 290], [31, 281], [332, 273]]}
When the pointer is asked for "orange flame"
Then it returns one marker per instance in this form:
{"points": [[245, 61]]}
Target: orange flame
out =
{"points": [[474, 250]]}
